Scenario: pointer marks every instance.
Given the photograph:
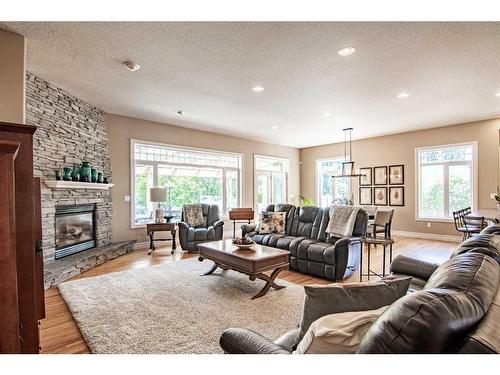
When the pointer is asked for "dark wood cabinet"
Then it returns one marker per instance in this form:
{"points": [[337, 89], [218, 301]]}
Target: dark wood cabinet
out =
{"points": [[21, 260]]}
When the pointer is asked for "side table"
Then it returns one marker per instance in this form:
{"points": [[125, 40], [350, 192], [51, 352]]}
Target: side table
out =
{"points": [[160, 227], [368, 241]]}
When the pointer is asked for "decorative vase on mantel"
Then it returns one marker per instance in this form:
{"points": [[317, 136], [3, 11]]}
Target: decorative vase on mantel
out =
{"points": [[85, 172], [93, 175], [67, 174], [76, 173]]}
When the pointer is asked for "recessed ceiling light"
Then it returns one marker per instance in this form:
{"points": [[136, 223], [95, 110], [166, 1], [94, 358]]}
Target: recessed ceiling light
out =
{"points": [[257, 89], [497, 94], [328, 114], [346, 51], [274, 127], [132, 66], [180, 113], [403, 95]]}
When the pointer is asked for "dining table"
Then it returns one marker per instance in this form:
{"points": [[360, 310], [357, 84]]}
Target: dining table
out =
{"points": [[490, 214]]}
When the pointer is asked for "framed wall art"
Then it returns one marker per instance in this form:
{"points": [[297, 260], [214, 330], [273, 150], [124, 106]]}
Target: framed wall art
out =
{"points": [[380, 174], [365, 196], [366, 176], [396, 174], [396, 196], [380, 196]]}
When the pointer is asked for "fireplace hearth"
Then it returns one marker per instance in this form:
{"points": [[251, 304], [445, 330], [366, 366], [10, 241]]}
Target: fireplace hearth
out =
{"points": [[74, 229]]}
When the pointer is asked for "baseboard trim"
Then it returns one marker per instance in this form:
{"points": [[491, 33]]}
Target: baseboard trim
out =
{"points": [[141, 245], [428, 236]]}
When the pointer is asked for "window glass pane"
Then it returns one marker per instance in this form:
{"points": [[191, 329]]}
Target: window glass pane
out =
{"points": [[279, 188], [432, 191], [270, 164], [232, 189], [331, 189], [263, 188], [191, 185], [446, 154], [143, 182], [460, 187], [180, 156]]}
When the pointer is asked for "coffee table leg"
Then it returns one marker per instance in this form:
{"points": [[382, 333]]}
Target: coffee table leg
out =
{"points": [[269, 282], [211, 270]]}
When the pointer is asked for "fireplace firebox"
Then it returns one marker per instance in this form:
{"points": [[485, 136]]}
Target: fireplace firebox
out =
{"points": [[74, 229]]}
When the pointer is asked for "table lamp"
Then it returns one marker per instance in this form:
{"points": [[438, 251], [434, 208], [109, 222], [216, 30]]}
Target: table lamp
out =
{"points": [[158, 195]]}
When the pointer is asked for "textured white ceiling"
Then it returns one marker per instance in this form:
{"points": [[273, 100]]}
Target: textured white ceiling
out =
{"points": [[207, 70]]}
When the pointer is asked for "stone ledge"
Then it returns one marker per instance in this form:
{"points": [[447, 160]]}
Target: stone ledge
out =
{"points": [[65, 268]]}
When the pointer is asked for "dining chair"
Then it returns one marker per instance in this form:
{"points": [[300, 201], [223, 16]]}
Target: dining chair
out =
{"points": [[474, 224], [381, 224]]}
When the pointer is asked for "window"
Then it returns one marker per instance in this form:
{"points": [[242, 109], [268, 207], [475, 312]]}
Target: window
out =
{"points": [[330, 188], [192, 176], [447, 180], [271, 181]]}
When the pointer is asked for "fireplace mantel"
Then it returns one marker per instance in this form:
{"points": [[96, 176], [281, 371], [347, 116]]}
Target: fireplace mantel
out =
{"points": [[59, 184]]}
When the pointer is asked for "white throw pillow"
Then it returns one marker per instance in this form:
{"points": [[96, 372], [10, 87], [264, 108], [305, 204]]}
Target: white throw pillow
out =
{"points": [[338, 333]]}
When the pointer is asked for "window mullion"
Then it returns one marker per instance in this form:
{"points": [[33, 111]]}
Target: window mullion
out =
{"points": [[446, 190]]}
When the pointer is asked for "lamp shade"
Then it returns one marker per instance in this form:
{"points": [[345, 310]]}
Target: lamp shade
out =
{"points": [[158, 194]]}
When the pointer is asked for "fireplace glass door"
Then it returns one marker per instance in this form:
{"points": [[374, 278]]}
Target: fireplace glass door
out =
{"points": [[74, 229]]}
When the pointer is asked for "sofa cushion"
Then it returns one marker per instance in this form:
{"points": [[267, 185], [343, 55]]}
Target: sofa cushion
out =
{"points": [[323, 300], [454, 300], [485, 338], [272, 222], [339, 333], [471, 273], [315, 251], [200, 234], [306, 222], [282, 242], [488, 244]]}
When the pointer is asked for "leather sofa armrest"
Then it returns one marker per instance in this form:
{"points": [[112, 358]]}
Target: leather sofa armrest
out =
{"points": [[218, 223], [247, 228], [183, 225], [413, 267], [244, 341]]}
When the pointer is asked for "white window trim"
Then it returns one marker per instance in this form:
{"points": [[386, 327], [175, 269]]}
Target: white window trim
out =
{"points": [[287, 174], [317, 173], [224, 216], [475, 173]]}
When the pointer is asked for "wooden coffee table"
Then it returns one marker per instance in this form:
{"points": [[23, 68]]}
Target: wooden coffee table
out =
{"points": [[253, 262]]}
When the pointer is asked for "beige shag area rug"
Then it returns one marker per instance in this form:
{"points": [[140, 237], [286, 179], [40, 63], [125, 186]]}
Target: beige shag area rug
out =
{"points": [[172, 309]]}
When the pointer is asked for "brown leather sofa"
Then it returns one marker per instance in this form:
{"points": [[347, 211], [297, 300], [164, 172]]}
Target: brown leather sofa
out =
{"points": [[453, 308], [312, 250]]}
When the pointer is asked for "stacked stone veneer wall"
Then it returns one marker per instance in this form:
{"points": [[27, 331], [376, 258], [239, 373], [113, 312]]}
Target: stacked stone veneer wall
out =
{"points": [[69, 131]]}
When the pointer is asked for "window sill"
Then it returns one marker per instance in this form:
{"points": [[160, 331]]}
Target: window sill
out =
{"points": [[434, 220]]}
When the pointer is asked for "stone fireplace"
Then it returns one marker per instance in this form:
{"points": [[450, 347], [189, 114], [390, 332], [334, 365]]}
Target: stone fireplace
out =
{"points": [[69, 132]]}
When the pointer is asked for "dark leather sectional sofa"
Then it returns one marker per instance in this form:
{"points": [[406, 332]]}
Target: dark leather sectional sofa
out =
{"points": [[312, 250], [452, 308]]}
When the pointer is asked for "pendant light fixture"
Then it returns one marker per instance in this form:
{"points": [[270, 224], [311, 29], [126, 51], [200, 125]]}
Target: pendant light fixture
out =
{"points": [[348, 164]]}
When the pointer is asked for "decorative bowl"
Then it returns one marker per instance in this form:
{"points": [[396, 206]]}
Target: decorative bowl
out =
{"points": [[243, 243]]}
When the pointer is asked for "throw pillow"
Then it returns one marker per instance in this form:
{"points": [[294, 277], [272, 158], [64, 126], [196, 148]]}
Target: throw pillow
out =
{"points": [[193, 214], [338, 333], [272, 222], [324, 300]]}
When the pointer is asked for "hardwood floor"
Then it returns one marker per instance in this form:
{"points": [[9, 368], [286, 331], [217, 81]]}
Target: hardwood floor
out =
{"points": [[59, 332]]}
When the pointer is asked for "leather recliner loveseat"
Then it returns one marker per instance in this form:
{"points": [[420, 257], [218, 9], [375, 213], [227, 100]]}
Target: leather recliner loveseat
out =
{"points": [[453, 308], [312, 250]]}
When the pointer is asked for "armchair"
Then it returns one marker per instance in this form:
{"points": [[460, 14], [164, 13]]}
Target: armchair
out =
{"points": [[210, 230]]}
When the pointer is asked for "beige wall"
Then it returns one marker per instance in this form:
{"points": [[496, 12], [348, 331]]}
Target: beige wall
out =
{"points": [[400, 149], [12, 72], [122, 129]]}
